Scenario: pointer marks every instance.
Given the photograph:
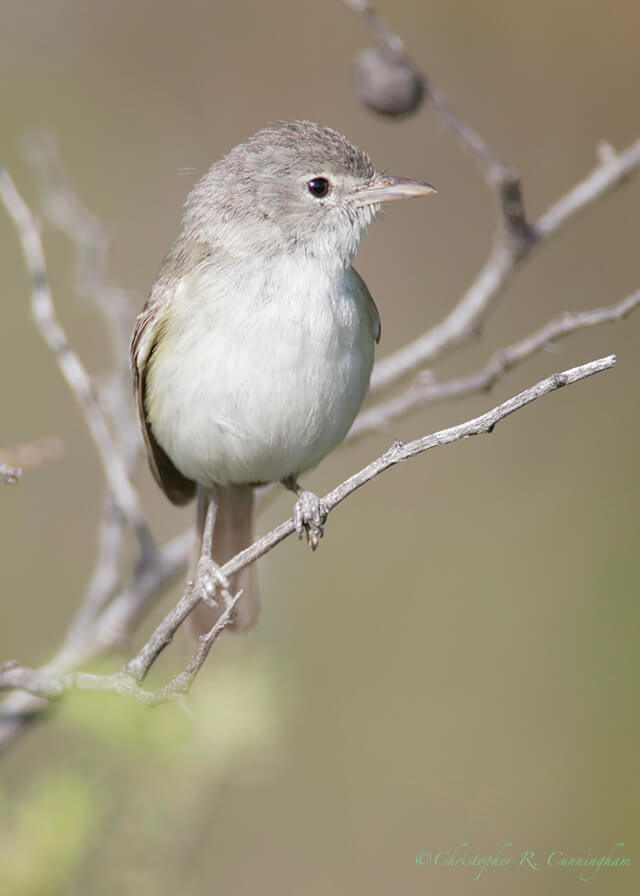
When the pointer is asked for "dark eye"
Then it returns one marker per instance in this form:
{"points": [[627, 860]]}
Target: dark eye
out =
{"points": [[318, 187]]}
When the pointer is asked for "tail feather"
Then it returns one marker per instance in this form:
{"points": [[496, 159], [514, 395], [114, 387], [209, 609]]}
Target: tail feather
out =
{"points": [[232, 533]]}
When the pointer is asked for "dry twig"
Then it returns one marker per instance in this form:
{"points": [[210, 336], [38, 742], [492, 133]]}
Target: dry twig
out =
{"points": [[124, 495], [515, 237], [63, 208], [425, 390], [51, 683]]}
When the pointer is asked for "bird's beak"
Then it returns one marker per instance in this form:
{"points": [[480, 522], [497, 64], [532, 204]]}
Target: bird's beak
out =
{"points": [[385, 188]]}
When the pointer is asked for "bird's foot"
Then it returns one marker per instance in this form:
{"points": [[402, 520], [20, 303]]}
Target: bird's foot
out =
{"points": [[309, 517], [210, 581]]}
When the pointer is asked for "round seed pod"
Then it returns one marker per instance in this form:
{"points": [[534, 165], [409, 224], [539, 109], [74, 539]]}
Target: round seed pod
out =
{"points": [[386, 84]]}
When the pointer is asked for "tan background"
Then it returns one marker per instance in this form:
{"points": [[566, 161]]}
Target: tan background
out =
{"points": [[459, 660]]}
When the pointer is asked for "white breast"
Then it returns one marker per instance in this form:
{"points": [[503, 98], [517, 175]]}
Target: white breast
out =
{"points": [[261, 369]]}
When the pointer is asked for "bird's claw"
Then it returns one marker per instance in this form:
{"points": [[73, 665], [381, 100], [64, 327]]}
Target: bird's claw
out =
{"points": [[309, 517], [210, 580]]}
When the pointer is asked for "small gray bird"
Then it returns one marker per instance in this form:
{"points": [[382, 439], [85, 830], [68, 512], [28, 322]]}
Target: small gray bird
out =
{"points": [[252, 355]]}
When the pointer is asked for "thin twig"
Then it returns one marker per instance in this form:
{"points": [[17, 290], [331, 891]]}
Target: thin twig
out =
{"points": [[106, 571], [464, 320], [110, 631], [502, 177], [181, 683], [70, 365], [54, 680], [50, 684], [86, 233], [142, 662], [515, 238], [427, 391]]}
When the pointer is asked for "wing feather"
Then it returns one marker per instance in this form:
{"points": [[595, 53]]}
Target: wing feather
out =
{"points": [[372, 310], [148, 330]]}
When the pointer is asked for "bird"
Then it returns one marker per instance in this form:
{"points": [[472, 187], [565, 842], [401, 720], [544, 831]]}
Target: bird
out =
{"points": [[252, 355]]}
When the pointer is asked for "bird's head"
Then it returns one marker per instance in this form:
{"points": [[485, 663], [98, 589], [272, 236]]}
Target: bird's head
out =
{"points": [[293, 186]]}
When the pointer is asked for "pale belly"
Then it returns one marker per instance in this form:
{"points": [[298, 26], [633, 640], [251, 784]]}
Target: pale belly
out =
{"points": [[265, 391]]}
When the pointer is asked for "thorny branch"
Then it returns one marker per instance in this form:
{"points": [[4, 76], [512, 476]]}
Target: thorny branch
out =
{"points": [[110, 612], [52, 684]]}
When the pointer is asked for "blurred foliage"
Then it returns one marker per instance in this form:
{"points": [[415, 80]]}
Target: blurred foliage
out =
{"points": [[70, 821], [44, 834]]}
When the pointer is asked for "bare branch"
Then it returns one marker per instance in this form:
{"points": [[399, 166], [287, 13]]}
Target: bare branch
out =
{"points": [[106, 569], [54, 680], [516, 237], [615, 169], [425, 390], [110, 631], [378, 27], [50, 684], [181, 683], [141, 663], [464, 320], [501, 176], [70, 365], [65, 211]]}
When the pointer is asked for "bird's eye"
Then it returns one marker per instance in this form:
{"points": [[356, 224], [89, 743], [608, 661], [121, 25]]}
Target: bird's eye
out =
{"points": [[318, 187]]}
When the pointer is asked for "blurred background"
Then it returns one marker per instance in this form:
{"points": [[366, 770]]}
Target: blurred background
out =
{"points": [[458, 662]]}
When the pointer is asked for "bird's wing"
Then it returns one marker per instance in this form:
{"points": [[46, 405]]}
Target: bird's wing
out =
{"points": [[148, 330], [370, 305]]}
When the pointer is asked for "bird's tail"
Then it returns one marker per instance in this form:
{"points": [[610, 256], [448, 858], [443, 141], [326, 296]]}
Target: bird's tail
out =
{"points": [[232, 533]]}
